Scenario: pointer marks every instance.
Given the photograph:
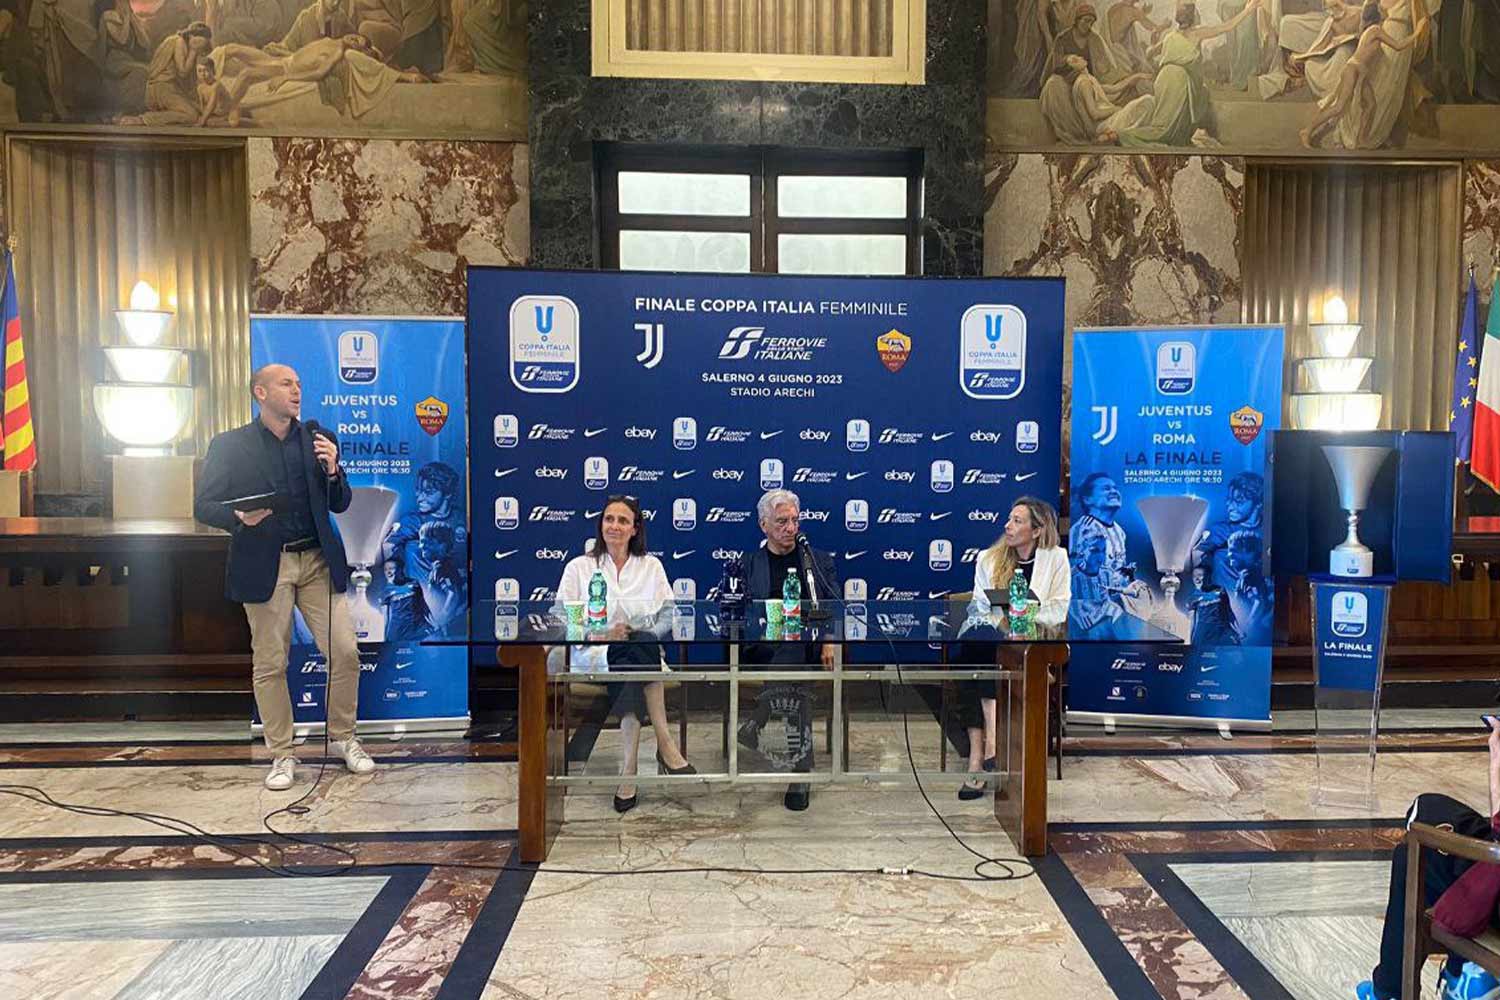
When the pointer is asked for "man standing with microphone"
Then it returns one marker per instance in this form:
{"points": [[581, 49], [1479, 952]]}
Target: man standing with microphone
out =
{"points": [[284, 553], [786, 552]]}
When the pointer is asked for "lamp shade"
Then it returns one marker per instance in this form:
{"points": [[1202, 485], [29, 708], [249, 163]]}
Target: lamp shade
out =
{"points": [[158, 365], [1339, 411], [1325, 375], [1334, 340], [143, 416], [143, 327]]}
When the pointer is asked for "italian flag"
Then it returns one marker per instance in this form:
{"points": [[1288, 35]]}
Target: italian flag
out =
{"points": [[1485, 460]]}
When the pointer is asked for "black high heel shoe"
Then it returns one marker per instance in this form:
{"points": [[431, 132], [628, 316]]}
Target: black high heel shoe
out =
{"points": [[662, 768], [624, 805]]}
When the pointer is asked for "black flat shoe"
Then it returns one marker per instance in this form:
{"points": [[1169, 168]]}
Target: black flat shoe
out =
{"points": [[662, 768], [989, 764], [968, 792], [624, 805], [797, 797]]}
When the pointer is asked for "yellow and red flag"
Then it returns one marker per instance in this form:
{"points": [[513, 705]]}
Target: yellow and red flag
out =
{"points": [[15, 416]]}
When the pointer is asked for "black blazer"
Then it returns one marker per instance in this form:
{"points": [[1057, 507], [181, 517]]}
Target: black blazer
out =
{"points": [[825, 575], [238, 465]]}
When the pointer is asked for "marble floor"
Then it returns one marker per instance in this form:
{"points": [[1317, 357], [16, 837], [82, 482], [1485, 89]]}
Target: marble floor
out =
{"points": [[1183, 866]]}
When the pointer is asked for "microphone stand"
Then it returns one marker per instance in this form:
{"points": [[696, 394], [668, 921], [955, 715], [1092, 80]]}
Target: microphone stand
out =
{"points": [[815, 611]]}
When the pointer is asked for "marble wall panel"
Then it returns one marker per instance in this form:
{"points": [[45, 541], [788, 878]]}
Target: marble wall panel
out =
{"points": [[381, 226], [1481, 229], [1140, 239]]}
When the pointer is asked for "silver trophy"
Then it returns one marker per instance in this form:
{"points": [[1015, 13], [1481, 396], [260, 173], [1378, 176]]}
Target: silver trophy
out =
{"points": [[363, 527], [1174, 524], [1354, 469]]}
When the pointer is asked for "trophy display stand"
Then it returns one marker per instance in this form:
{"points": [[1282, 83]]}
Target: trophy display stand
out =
{"points": [[1349, 632]]}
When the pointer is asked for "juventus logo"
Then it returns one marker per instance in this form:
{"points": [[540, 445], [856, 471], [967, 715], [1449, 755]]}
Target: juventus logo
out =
{"points": [[654, 344], [1109, 423]]}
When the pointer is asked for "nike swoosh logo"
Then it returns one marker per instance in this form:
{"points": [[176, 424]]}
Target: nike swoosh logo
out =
{"points": [[768, 435], [939, 517], [1204, 670], [855, 555], [505, 555], [502, 473], [682, 555], [852, 476], [1022, 477], [940, 437], [589, 515], [594, 433], [933, 595], [682, 475], [403, 666]]}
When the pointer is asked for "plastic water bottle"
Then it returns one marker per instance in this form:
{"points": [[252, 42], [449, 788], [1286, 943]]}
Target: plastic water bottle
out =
{"points": [[1020, 611], [597, 615], [791, 601]]}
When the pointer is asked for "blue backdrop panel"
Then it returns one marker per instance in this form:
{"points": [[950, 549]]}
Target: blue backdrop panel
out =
{"points": [[1171, 429], [906, 413], [393, 392]]}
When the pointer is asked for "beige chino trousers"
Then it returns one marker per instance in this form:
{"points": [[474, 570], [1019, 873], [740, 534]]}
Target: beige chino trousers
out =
{"points": [[303, 582]]}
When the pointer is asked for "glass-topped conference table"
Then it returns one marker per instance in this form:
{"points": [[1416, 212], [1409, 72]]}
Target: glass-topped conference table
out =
{"points": [[874, 651]]}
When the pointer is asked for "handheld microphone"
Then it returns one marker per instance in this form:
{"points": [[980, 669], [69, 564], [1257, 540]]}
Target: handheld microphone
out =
{"points": [[317, 430]]}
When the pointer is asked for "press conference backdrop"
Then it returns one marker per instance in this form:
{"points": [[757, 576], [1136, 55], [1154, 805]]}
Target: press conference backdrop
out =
{"points": [[393, 392], [1171, 430], [906, 413]]}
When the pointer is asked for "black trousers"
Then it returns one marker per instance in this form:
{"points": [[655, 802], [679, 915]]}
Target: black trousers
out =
{"points": [[630, 699], [787, 703], [975, 649], [1439, 872]]}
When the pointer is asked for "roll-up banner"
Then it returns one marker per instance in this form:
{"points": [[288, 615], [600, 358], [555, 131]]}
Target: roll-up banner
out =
{"points": [[1169, 525], [392, 390]]}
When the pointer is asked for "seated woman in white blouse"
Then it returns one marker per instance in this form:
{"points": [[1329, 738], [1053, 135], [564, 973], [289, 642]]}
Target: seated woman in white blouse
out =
{"points": [[1032, 545], [637, 592]]}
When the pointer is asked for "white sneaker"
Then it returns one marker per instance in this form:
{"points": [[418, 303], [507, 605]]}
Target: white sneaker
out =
{"points": [[354, 756], [283, 773]]}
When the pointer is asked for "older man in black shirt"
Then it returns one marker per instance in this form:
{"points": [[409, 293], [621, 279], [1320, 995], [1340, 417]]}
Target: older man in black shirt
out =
{"points": [[766, 570]]}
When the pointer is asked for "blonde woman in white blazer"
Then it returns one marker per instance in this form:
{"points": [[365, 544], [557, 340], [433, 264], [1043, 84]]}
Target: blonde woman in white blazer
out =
{"points": [[1030, 543]]}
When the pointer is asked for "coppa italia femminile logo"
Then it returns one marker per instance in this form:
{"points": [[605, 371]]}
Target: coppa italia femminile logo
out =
{"points": [[992, 352], [359, 357], [1176, 368], [1350, 614], [544, 353], [507, 430]]}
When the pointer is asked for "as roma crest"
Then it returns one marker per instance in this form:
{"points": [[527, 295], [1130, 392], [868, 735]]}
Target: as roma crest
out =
{"points": [[432, 414], [1246, 424], [894, 347]]}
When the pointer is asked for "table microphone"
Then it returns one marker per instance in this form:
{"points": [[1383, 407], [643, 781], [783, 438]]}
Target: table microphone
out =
{"points": [[805, 552]]}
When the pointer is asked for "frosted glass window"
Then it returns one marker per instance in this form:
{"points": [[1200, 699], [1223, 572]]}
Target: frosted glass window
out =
{"points": [[805, 253], [841, 197], [652, 193], [660, 250]]}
